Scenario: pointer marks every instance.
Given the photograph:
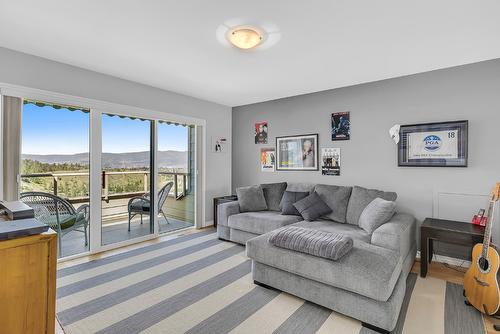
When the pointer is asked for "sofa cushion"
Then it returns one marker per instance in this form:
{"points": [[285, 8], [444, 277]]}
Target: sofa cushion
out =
{"points": [[360, 198], [289, 198], [337, 198], [300, 187], [312, 207], [367, 269], [378, 212], [397, 234], [273, 192], [251, 199], [260, 222], [355, 232]]}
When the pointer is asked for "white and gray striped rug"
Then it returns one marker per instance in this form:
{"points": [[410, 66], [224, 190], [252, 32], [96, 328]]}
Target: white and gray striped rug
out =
{"points": [[198, 284]]}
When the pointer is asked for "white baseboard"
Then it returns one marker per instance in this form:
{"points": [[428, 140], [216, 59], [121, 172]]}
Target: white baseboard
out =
{"points": [[448, 260]]}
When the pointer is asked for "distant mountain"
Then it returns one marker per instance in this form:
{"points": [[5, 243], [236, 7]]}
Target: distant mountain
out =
{"points": [[166, 159]]}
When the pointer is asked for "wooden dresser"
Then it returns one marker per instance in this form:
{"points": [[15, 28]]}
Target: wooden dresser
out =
{"points": [[28, 284]]}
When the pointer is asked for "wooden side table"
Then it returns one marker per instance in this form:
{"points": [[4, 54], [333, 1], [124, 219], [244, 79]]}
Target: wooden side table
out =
{"points": [[220, 200], [450, 231]]}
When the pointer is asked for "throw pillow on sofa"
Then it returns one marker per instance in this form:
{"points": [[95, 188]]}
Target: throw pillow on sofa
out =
{"points": [[337, 198], [289, 198], [312, 207], [273, 193], [360, 198], [251, 199], [377, 213]]}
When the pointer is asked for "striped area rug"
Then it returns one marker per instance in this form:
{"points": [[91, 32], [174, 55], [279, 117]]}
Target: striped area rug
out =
{"points": [[198, 284]]}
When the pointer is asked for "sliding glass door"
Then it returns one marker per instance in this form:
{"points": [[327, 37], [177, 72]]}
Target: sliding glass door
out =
{"points": [[55, 171], [98, 178], [127, 178], [176, 175]]}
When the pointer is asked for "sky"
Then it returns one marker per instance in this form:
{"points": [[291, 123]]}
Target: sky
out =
{"points": [[46, 130]]}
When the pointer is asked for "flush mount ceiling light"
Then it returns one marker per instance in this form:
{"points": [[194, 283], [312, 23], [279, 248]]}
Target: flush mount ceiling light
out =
{"points": [[245, 37]]}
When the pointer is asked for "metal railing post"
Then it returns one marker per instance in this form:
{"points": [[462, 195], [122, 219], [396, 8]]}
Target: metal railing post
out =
{"points": [[105, 181], [184, 190], [175, 186]]}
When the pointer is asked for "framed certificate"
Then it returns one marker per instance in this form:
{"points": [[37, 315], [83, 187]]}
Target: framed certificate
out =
{"points": [[433, 145]]}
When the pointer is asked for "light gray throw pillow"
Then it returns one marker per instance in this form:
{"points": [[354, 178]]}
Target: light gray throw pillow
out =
{"points": [[251, 199], [312, 207], [318, 243], [377, 213], [273, 193], [360, 198]]}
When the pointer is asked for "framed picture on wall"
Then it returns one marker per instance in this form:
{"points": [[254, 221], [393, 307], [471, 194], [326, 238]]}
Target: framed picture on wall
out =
{"points": [[267, 159], [443, 144], [341, 126], [330, 161], [261, 132], [297, 153]]}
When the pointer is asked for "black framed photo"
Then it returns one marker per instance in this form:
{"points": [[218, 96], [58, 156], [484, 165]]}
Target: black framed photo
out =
{"points": [[297, 153], [443, 144]]}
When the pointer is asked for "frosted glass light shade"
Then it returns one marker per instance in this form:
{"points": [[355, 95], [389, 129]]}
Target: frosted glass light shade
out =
{"points": [[244, 38]]}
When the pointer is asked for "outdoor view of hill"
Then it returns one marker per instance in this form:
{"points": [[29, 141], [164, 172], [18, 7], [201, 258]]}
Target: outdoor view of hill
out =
{"points": [[73, 186], [166, 159]]}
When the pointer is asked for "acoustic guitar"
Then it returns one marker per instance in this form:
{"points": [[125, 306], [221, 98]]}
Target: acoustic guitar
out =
{"points": [[480, 281]]}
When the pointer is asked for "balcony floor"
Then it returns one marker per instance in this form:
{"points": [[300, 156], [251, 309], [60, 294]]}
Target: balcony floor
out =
{"points": [[74, 242]]}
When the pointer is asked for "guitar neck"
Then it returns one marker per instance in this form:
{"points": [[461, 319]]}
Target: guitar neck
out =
{"points": [[487, 231]]}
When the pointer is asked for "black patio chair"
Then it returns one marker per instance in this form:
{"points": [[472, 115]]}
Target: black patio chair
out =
{"points": [[141, 205]]}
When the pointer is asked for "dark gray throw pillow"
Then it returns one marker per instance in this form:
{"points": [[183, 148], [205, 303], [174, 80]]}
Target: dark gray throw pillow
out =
{"points": [[289, 198], [337, 198], [312, 207], [273, 192], [251, 199]]}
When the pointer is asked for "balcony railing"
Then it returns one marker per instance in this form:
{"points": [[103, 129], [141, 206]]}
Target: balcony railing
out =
{"points": [[179, 178]]}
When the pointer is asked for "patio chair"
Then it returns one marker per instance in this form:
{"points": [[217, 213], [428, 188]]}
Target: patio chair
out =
{"points": [[58, 213], [141, 205]]}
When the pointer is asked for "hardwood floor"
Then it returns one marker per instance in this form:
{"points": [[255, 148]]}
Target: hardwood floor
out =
{"points": [[455, 275], [438, 270]]}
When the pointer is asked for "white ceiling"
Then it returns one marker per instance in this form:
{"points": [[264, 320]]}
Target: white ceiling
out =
{"points": [[323, 44]]}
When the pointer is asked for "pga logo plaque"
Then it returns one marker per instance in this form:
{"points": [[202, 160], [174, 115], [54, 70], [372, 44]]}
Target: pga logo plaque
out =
{"points": [[433, 145]]}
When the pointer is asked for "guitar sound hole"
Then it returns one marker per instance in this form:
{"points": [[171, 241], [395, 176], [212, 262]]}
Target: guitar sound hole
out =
{"points": [[483, 263]]}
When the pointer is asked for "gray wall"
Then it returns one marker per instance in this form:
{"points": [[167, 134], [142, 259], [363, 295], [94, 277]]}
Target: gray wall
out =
{"points": [[369, 159], [35, 72]]}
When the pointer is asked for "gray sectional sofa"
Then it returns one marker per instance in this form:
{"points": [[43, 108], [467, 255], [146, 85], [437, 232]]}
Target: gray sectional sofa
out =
{"points": [[367, 284]]}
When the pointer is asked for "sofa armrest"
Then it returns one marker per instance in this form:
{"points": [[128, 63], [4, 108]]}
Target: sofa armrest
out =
{"points": [[225, 210], [397, 234]]}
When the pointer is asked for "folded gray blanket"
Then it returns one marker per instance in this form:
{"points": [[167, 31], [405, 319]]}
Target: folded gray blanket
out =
{"points": [[318, 243]]}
